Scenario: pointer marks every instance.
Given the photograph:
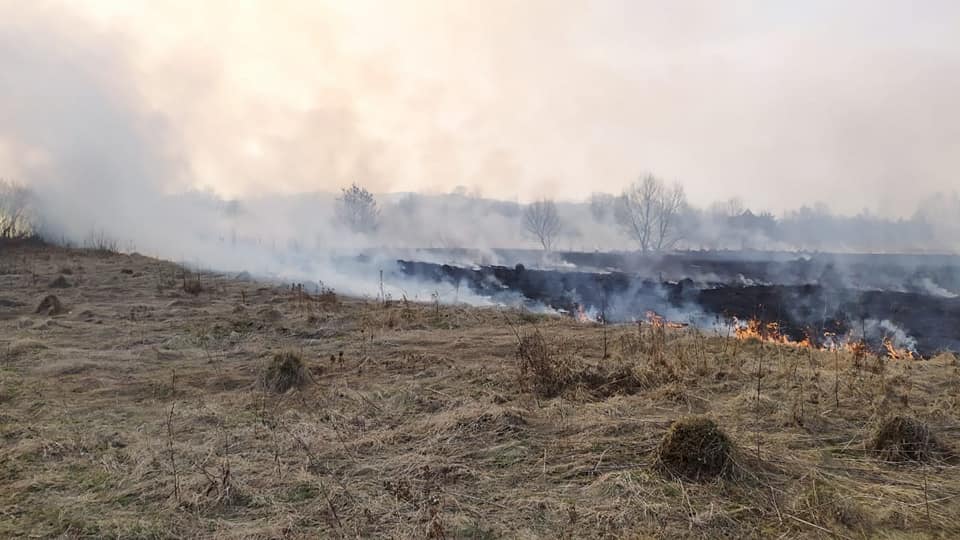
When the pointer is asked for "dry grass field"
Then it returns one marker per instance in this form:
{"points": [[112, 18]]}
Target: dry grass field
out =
{"points": [[145, 403]]}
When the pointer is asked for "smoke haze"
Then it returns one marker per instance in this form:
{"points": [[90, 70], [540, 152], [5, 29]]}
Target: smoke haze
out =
{"points": [[145, 119]]}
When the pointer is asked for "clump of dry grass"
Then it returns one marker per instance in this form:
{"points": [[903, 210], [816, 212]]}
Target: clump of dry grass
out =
{"points": [[60, 283], [269, 314], [285, 371], [50, 305], [327, 296], [606, 381], [542, 370], [820, 502], [192, 286], [904, 438], [695, 448], [549, 370]]}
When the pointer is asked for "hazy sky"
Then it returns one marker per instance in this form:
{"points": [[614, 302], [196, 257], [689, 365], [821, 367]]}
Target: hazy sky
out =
{"points": [[850, 103]]}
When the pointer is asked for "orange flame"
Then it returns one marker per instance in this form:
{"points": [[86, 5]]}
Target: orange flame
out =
{"points": [[659, 321], [894, 353], [770, 333]]}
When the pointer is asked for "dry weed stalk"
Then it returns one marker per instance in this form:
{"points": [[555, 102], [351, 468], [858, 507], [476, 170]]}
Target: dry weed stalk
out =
{"points": [[172, 454]]}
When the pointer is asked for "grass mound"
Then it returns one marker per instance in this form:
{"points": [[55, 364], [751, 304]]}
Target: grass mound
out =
{"points": [[904, 438], [193, 287], [60, 283], [695, 448], [50, 305], [285, 371]]}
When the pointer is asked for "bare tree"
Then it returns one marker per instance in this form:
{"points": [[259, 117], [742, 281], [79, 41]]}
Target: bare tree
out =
{"points": [[726, 209], [14, 221], [602, 206], [637, 209], [358, 210], [673, 200], [541, 220], [649, 211]]}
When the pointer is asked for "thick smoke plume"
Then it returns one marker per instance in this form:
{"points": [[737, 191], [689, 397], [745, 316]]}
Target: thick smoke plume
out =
{"points": [[201, 147]]}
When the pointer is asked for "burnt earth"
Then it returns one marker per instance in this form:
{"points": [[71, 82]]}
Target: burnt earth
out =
{"points": [[802, 311]]}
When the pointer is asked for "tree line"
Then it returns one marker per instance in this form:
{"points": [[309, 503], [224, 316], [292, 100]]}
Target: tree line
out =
{"points": [[654, 216]]}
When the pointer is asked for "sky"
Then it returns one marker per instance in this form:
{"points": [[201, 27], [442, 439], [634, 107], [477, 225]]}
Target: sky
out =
{"points": [[780, 103]]}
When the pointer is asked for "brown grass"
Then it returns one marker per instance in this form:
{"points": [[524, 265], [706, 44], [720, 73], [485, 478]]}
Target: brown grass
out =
{"points": [[284, 372], [60, 283], [551, 369], [904, 438], [695, 448], [50, 305], [132, 416]]}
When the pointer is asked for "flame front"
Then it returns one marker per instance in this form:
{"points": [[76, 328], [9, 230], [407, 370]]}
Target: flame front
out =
{"points": [[659, 321], [770, 333], [894, 353]]}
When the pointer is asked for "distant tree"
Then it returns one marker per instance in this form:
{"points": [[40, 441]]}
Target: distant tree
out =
{"points": [[727, 209], [673, 201], [358, 210], [541, 220], [649, 211], [14, 206], [233, 208], [602, 206]]}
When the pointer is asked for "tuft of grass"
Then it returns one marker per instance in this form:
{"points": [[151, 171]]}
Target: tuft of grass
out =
{"points": [[695, 448], [192, 286], [904, 438], [60, 283], [285, 371], [542, 370], [50, 305], [548, 371], [820, 502]]}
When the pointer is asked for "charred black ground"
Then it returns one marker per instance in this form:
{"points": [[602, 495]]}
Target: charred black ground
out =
{"points": [[910, 300]]}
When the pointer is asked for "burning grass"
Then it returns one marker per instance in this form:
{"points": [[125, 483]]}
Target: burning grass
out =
{"points": [[135, 418]]}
